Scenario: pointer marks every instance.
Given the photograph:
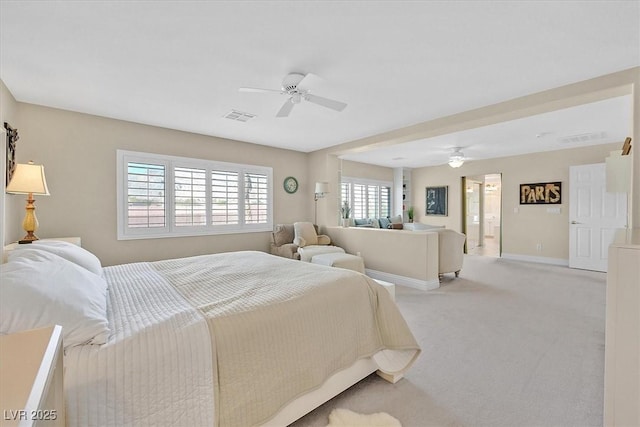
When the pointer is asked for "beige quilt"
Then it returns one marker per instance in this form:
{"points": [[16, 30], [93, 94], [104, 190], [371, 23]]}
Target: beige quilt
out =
{"points": [[280, 327]]}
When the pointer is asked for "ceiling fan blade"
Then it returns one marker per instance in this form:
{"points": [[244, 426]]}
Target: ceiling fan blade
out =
{"points": [[257, 90], [325, 102], [286, 108], [308, 81]]}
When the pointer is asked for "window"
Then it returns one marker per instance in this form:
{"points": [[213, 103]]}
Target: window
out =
{"points": [[189, 197], [145, 195], [166, 196], [367, 198], [224, 198]]}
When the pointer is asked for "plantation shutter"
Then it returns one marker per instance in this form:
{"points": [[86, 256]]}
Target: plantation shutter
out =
{"points": [[373, 201], [256, 193], [224, 198], [190, 204], [359, 201], [385, 201], [145, 195], [345, 190]]}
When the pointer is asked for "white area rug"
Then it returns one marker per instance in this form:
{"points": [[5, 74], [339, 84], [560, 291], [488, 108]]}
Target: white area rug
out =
{"points": [[347, 418]]}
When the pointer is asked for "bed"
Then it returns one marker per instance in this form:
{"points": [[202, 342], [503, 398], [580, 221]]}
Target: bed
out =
{"points": [[232, 339]]}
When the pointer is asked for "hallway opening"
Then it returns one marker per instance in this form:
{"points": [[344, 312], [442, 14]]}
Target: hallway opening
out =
{"points": [[482, 214]]}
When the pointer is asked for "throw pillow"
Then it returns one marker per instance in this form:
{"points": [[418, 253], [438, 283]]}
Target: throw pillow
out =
{"points": [[384, 222], [396, 219], [305, 234], [283, 234]]}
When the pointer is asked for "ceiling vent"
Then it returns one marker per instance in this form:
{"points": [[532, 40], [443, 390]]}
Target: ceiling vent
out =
{"points": [[582, 138], [239, 116]]}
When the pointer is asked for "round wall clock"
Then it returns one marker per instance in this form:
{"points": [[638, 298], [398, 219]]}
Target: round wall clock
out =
{"points": [[290, 185]]}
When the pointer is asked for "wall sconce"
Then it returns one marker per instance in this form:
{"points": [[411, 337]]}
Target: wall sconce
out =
{"points": [[456, 159], [29, 179], [322, 188]]}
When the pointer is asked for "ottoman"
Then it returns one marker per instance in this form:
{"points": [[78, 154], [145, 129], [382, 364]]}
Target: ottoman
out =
{"points": [[340, 260], [308, 252]]}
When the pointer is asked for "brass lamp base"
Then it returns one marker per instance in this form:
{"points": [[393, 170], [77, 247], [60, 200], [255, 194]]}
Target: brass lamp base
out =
{"points": [[30, 223], [30, 237]]}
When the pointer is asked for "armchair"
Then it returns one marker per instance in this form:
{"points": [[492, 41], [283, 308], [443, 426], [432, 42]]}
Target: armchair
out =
{"points": [[310, 243], [306, 234], [282, 242], [291, 240]]}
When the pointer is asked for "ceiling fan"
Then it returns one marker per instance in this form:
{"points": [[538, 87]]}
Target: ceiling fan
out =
{"points": [[297, 87]]}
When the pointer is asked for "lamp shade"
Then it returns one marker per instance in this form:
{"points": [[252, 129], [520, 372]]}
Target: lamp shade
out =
{"points": [[322, 187], [28, 178]]}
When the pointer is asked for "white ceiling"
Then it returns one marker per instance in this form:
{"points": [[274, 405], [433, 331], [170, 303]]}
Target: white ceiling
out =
{"points": [[597, 123], [179, 64]]}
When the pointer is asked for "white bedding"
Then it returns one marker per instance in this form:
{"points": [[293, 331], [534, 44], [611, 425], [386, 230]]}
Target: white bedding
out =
{"points": [[143, 342], [157, 366]]}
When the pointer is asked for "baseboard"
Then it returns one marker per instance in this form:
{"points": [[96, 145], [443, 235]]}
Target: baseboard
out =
{"points": [[423, 285], [537, 259]]}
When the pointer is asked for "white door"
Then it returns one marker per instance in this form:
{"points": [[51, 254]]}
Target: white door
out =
{"points": [[594, 215]]}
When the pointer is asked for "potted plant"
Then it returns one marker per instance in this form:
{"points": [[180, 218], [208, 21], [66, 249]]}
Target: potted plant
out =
{"points": [[345, 212], [410, 213]]}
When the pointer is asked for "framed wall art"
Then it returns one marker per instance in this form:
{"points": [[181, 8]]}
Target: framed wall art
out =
{"points": [[437, 199], [541, 193], [12, 138]]}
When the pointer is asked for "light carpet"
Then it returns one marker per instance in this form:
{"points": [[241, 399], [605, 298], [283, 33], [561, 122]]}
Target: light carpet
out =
{"points": [[347, 418], [508, 343]]}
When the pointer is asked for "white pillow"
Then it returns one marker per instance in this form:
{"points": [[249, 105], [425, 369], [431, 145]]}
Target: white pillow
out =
{"points": [[305, 234], [41, 289], [396, 219], [68, 251]]}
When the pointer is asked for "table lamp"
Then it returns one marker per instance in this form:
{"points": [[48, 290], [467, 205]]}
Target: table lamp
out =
{"points": [[29, 179]]}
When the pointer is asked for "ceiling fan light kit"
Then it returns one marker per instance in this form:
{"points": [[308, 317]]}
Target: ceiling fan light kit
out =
{"points": [[456, 159], [297, 87]]}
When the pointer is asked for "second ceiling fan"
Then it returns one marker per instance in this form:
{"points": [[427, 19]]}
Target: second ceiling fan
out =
{"points": [[297, 87]]}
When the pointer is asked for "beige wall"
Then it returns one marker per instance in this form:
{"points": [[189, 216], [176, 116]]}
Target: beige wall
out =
{"points": [[365, 171], [521, 231], [8, 113], [522, 240], [79, 155], [611, 85], [325, 166]]}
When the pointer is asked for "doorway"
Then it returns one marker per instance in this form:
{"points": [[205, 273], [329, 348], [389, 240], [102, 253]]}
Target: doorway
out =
{"points": [[483, 214]]}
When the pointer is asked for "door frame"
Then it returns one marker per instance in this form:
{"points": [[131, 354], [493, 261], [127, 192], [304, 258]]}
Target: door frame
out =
{"points": [[463, 204]]}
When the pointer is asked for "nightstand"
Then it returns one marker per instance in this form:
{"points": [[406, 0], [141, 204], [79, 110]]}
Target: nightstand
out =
{"points": [[11, 246], [31, 375]]}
